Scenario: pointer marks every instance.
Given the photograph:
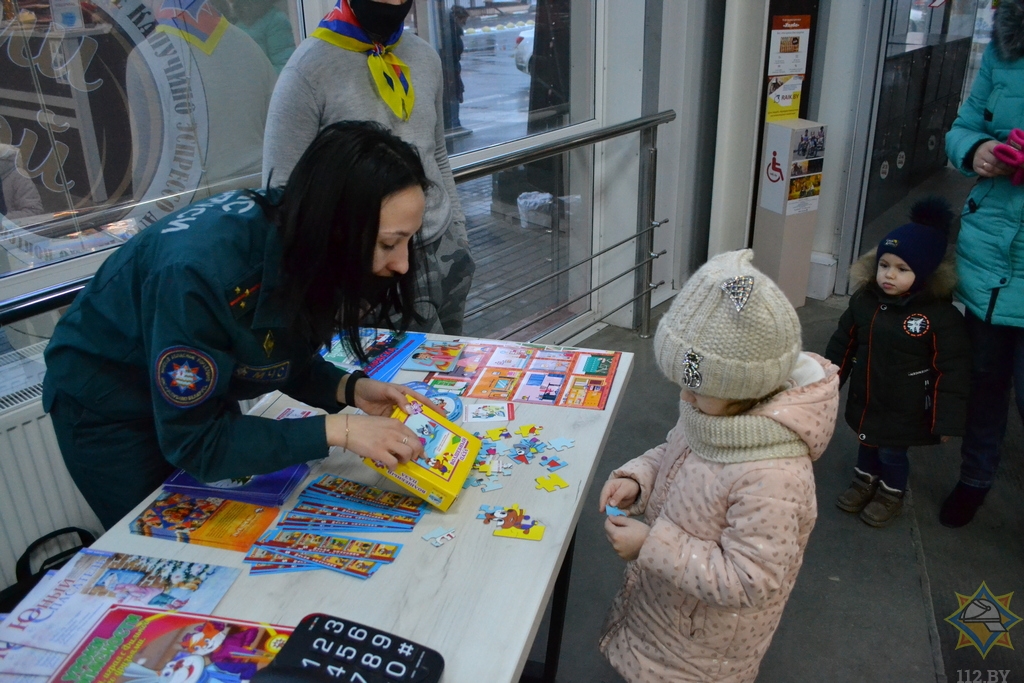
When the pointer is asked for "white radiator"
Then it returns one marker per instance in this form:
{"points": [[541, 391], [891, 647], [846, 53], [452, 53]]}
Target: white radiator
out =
{"points": [[37, 495]]}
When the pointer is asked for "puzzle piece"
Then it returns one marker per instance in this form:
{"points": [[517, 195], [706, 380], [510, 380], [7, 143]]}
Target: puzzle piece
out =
{"points": [[488, 447], [498, 433], [553, 462], [533, 445], [519, 454], [439, 536], [529, 430], [473, 481], [489, 510], [491, 485], [613, 511], [534, 532], [561, 443], [551, 482]]}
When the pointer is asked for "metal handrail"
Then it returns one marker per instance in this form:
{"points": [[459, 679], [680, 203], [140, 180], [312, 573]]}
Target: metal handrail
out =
{"points": [[562, 271], [479, 169], [50, 298]]}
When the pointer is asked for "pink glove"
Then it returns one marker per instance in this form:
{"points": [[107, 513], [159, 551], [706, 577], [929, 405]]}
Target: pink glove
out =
{"points": [[1011, 153]]}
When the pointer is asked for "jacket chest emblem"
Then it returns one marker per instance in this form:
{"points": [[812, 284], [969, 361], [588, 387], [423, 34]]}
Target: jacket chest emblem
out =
{"points": [[917, 325], [241, 299]]}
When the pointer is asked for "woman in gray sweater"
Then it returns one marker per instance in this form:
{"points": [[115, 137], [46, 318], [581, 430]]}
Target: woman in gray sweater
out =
{"points": [[358, 65]]}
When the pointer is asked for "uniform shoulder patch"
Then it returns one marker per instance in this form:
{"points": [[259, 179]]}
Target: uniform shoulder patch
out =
{"points": [[186, 377], [916, 324], [242, 296]]}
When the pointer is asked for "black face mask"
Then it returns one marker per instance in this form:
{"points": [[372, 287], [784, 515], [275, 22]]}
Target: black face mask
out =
{"points": [[378, 19], [375, 289]]}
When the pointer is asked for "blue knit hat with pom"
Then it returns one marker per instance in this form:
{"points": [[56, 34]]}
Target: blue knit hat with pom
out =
{"points": [[921, 242]]}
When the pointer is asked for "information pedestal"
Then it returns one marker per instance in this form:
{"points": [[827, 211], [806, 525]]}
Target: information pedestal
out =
{"points": [[787, 210]]}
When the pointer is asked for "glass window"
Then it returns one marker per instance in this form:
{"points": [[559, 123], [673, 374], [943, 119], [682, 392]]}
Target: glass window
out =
{"points": [[113, 114], [511, 69], [928, 51], [525, 241]]}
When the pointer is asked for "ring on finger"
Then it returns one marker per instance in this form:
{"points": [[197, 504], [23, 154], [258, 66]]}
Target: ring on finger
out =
{"points": [[405, 440]]}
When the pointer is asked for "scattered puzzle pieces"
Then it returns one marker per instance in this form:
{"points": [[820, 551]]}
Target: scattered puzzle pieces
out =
{"points": [[613, 511], [529, 430], [561, 443], [551, 482], [497, 433], [553, 462], [513, 522], [520, 454], [486, 510], [473, 481], [491, 485], [439, 536], [533, 532]]}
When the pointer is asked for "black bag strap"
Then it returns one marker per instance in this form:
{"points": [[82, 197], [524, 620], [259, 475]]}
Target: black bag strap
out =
{"points": [[23, 568]]}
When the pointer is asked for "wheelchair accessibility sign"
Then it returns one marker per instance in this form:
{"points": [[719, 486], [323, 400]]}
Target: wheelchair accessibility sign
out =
{"points": [[984, 620]]}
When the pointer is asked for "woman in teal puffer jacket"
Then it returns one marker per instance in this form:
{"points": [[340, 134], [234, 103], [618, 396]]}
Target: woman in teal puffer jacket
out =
{"points": [[990, 257]]}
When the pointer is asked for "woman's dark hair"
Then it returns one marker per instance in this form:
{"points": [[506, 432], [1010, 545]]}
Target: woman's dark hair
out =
{"points": [[328, 217]]}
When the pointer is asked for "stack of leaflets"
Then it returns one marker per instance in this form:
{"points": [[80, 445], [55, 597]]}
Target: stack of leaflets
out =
{"points": [[261, 489], [281, 550], [140, 644], [66, 604], [332, 505], [524, 373], [215, 522], [386, 351]]}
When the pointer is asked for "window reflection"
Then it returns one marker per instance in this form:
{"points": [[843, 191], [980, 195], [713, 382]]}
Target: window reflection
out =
{"points": [[116, 114]]}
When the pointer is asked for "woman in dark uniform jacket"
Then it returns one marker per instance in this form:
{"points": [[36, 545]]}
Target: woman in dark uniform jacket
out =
{"points": [[231, 298]]}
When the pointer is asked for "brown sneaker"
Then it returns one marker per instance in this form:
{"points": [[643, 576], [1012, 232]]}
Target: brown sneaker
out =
{"points": [[884, 508], [862, 490]]}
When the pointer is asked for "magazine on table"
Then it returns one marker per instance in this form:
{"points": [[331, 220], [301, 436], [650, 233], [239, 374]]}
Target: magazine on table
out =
{"points": [[136, 644], [58, 616]]}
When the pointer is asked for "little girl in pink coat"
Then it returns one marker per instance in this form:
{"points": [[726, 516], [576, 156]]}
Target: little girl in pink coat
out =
{"points": [[728, 501]]}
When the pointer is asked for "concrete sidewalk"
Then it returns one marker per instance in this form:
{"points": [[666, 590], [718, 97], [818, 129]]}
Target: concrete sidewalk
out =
{"points": [[870, 604]]}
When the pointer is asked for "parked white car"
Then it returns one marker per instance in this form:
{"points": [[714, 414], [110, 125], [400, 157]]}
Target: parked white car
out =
{"points": [[524, 51]]}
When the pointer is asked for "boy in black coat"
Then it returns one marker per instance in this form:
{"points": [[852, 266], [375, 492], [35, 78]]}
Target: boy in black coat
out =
{"points": [[904, 347]]}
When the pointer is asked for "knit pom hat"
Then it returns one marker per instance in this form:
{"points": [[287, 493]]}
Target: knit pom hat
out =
{"points": [[922, 241], [730, 333]]}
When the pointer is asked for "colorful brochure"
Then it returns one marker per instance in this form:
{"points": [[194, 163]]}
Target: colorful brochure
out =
{"points": [[435, 356], [210, 521], [135, 644], [59, 616], [335, 487], [529, 373]]}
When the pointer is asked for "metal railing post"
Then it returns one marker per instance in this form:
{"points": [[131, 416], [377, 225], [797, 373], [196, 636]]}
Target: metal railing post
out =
{"points": [[645, 236]]}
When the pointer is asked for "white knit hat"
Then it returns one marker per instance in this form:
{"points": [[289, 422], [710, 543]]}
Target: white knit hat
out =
{"points": [[730, 333]]}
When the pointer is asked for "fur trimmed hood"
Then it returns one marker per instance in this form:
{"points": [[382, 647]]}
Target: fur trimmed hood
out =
{"points": [[1008, 30], [940, 285]]}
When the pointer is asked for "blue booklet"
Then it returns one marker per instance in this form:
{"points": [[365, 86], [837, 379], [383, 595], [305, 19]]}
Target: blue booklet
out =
{"points": [[271, 489], [386, 350]]}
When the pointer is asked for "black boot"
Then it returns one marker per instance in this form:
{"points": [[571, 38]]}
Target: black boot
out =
{"points": [[961, 505]]}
